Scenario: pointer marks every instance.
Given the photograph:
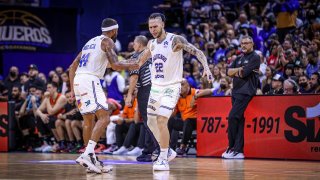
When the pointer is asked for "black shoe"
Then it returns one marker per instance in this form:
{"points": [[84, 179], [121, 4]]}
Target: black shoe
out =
{"points": [[144, 158]]}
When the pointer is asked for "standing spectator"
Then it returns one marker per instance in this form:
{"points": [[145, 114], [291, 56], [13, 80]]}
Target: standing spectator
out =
{"points": [[33, 78], [114, 84], [267, 28], [245, 71], [286, 12], [24, 78], [12, 79], [65, 82]]}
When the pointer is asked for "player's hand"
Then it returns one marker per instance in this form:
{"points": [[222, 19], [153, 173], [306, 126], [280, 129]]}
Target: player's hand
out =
{"points": [[134, 66], [129, 100], [208, 73]]}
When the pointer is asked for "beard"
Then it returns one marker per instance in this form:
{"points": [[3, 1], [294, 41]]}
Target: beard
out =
{"points": [[160, 33]]}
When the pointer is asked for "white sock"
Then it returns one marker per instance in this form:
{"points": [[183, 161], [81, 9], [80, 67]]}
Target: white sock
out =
{"points": [[90, 147], [164, 154]]}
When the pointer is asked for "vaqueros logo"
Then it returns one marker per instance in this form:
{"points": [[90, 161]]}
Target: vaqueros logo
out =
{"points": [[301, 131], [22, 30]]}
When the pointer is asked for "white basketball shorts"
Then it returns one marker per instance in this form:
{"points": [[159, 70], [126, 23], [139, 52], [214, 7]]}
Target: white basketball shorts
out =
{"points": [[163, 99], [89, 94]]}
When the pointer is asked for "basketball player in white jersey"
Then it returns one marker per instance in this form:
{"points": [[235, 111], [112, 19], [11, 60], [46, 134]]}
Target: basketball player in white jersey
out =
{"points": [[85, 74], [166, 51]]}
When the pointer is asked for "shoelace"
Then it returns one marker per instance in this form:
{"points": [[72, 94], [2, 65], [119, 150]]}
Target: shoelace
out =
{"points": [[93, 160], [101, 163]]}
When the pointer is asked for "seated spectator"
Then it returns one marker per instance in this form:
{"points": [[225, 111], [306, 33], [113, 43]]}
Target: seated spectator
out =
{"points": [[52, 105], [305, 86], [288, 71], [27, 118], [266, 83], [276, 85], [70, 124], [187, 123], [315, 82], [115, 84], [290, 87], [298, 69], [313, 63], [127, 131], [221, 91]]}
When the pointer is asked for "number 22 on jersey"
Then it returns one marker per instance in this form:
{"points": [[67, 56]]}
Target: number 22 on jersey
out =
{"points": [[84, 59]]}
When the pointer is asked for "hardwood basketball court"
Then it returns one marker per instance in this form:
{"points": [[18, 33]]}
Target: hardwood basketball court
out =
{"points": [[63, 166]]}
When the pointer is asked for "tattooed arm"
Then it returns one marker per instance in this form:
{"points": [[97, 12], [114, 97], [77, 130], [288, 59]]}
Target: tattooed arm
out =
{"points": [[180, 42], [107, 45], [145, 55]]}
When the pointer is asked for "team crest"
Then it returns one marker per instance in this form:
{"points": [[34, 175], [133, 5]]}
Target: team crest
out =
{"points": [[87, 103]]}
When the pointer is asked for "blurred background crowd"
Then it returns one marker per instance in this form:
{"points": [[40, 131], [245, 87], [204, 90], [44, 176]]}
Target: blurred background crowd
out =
{"points": [[286, 35]]}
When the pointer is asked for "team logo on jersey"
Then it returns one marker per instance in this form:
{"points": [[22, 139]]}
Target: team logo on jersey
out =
{"points": [[165, 44], [87, 103], [168, 92], [152, 47]]}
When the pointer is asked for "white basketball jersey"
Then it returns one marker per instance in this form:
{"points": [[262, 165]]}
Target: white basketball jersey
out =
{"points": [[167, 66], [93, 60]]}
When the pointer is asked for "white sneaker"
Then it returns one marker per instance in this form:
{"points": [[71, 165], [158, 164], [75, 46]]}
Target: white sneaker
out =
{"points": [[234, 155], [121, 151], [39, 149], [171, 154], [88, 161], [111, 149], [48, 148], [161, 165], [100, 165], [161, 175], [226, 153], [135, 152]]}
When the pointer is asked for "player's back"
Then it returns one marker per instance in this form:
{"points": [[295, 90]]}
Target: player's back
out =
{"points": [[93, 60]]}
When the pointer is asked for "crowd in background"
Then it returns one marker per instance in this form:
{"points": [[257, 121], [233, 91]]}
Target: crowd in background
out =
{"points": [[286, 35]]}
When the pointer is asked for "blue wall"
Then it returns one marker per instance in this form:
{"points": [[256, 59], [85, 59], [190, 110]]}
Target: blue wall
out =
{"points": [[129, 14]]}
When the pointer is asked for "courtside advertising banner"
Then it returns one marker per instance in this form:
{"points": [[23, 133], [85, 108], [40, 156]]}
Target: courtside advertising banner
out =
{"points": [[280, 127], [4, 127], [38, 29]]}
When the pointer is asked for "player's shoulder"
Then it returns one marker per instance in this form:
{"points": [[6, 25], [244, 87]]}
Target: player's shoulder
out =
{"points": [[178, 39], [107, 42]]}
